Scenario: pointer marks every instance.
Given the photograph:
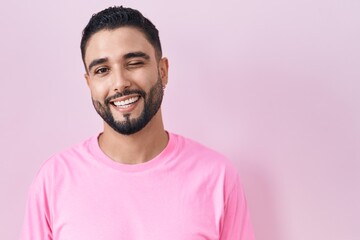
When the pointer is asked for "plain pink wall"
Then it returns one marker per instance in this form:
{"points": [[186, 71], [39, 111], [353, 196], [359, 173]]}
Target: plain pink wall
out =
{"points": [[272, 84]]}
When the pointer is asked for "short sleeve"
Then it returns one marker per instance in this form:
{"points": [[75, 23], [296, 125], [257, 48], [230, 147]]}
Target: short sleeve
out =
{"points": [[236, 223], [37, 222]]}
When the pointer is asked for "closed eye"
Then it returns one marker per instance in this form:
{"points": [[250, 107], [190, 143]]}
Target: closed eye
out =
{"points": [[135, 64]]}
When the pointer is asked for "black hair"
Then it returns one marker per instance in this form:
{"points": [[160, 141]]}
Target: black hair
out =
{"points": [[115, 17]]}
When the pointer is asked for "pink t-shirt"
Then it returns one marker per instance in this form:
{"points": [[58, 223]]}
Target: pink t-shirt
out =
{"points": [[187, 192]]}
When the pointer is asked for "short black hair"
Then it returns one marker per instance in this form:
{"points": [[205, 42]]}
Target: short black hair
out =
{"points": [[114, 17]]}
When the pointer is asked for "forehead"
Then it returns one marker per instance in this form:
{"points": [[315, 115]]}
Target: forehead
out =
{"points": [[116, 43]]}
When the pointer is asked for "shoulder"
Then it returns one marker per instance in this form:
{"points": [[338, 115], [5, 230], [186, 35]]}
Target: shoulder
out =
{"points": [[65, 160], [195, 149], [204, 158]]}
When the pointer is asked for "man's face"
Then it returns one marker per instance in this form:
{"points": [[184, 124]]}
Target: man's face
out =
{"points": [[125, 79]]}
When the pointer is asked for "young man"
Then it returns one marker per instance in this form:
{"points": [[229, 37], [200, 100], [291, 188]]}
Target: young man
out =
{"points": [[133, 181]]}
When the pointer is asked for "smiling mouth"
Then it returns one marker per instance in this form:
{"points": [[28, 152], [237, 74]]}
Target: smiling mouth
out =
{"points": [[126, 103]]}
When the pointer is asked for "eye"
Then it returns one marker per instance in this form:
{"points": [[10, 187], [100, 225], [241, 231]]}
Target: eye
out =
{"points": [[135, 64], [101, 70]]}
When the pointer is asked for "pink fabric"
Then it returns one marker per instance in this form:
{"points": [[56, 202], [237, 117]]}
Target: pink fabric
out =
{"points": [[187, 192]]}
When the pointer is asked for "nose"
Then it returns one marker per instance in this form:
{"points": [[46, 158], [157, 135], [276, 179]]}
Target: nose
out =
{"points": [[120, 81]]}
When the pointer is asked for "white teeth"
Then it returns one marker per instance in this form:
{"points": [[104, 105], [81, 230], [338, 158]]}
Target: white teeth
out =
{"points": [[126, 102]]}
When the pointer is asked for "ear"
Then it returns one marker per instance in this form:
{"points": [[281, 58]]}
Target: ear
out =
{"points": [[87, 78], [163, 70]]}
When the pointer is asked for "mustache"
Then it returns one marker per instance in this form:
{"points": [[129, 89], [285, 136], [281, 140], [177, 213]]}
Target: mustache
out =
{"points": [[125, 93]]}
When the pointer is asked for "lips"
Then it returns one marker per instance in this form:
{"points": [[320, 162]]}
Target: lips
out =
{"points": [[125, 102]]}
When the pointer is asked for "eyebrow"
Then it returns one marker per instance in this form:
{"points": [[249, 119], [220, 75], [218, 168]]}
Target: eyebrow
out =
{"points": [[136, 54], [97, 62]]}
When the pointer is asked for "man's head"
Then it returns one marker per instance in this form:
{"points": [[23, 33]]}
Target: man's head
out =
{"points": [[115, 17], [124, 69]]}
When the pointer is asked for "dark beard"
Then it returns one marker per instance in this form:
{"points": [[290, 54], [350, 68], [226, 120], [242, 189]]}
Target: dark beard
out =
{"points": [[152, 103]]}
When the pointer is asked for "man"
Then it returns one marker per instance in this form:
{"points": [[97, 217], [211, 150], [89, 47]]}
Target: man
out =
{"points": [[134, 180]]}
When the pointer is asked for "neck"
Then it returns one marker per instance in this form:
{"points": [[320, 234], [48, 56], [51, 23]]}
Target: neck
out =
{"points": [[136, 148]]}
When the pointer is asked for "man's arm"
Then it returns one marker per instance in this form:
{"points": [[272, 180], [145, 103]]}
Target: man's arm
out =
{"points": [[236, 223], [37, 222]]}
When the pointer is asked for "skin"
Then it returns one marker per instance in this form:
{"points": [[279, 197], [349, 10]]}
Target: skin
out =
{"points": [[112, 67]]}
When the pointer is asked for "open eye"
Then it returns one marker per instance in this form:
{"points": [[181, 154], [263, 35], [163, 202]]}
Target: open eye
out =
{"points": [[101, 70]]}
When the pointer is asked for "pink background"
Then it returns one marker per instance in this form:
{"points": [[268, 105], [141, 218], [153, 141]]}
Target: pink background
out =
{"points": [[273, 84]]}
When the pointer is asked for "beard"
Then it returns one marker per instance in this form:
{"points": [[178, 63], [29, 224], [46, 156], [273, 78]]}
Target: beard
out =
{"points": [[152, 103]]}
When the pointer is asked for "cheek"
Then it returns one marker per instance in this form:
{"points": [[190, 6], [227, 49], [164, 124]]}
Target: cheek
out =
{"points": [[146, 79], [98, 90]]}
